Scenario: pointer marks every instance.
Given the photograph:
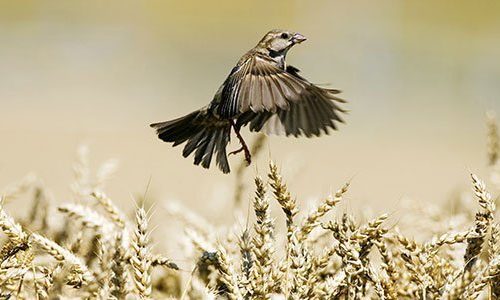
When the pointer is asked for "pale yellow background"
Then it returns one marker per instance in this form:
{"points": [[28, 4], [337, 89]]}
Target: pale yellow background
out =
{"points": [[419, 76]]}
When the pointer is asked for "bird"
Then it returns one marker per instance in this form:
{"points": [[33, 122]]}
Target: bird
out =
{"points": [[262, 92]]}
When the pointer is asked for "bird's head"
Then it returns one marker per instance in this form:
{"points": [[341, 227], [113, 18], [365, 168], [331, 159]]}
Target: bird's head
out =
{"points": [[278, 42]]}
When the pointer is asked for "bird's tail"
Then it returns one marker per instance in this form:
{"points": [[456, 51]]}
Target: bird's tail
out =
{"points": [[205, 136]]}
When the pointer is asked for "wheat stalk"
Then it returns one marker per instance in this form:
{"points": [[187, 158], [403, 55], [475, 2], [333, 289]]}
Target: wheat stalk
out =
{"points": [[141, 256]]}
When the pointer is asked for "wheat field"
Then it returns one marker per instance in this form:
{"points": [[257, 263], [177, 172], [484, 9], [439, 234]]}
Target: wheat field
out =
{"points": [[89, 249]]}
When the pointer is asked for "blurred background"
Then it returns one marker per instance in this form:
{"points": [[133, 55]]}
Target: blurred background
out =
{"points": [[419, 77]]}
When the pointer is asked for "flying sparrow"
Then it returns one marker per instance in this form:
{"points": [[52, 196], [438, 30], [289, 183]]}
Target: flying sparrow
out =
{"points": [[263, 92]]}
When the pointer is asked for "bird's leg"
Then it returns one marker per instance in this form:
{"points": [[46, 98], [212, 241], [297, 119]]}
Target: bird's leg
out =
{"points": [[244, 147]]}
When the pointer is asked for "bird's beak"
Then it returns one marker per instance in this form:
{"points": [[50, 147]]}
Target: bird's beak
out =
{"points": [[298, 38]]}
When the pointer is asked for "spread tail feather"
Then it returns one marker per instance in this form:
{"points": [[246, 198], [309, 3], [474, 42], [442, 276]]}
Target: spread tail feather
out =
{"points": [[205, 136]]}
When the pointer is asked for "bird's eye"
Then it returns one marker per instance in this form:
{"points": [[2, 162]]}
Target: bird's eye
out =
{"points": [[285, 35]]}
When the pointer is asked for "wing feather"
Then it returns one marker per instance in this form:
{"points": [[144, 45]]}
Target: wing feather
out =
{"points": [[278, 100], [279, 95], [310, 112], [258, 84], [267, 95]]}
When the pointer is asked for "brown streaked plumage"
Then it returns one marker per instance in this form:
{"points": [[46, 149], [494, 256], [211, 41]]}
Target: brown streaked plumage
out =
{"points": [[263, 92]]}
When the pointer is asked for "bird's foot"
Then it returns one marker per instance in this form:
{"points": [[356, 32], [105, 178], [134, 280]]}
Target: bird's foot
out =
{"points": [[244, 147], [248, 156], [236, 151]]}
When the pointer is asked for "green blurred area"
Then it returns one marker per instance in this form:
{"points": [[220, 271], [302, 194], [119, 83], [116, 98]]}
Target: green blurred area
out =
{"points": [[419, 76]]}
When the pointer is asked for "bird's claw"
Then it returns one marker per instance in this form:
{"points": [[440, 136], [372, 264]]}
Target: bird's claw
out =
{"points": [[236, 151], [248, 156]]}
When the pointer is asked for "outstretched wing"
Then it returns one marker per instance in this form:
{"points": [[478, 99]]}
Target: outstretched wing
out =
{"points": [[315, 114], [282, 102], [258, 84]]}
